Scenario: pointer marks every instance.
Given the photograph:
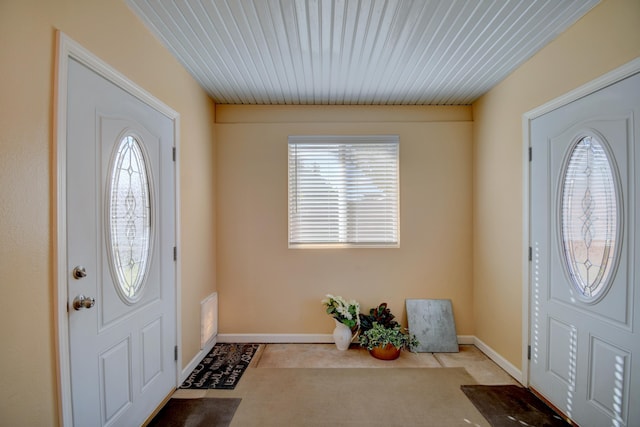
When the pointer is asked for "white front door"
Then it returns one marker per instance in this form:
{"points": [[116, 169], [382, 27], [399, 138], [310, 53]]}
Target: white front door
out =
{"points": [[585, 293], [120, 251]]}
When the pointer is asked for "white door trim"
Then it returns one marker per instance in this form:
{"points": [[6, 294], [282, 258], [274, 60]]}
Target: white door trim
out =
{"points": [[67, 49], [608, 79]]}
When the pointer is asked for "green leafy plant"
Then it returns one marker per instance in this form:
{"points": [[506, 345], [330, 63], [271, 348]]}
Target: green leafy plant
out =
{"points": [[343, 311], [381, 315], [380, 336]]}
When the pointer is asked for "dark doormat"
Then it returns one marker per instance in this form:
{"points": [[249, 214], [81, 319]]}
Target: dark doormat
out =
{"points": [[222, 367], [205, 412], [510, 405]]}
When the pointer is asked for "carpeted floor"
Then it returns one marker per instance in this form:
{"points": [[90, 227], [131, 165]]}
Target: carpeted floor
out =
{"points": [[354, 397], [314, 385]]}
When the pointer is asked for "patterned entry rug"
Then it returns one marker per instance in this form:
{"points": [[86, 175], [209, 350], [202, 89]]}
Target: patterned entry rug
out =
{"points": [[511, 405], [222, 367]]}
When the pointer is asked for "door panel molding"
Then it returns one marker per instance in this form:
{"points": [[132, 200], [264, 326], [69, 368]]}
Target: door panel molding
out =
{"points": [[68, 49], [601, 82]]}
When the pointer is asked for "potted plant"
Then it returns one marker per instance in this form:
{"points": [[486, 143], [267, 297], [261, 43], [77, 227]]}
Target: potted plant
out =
{"points": [[380, 314], [386, 343]]}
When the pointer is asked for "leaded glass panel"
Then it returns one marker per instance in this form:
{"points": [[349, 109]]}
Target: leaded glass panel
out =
{"points": [[129, 218], [589, 217]]}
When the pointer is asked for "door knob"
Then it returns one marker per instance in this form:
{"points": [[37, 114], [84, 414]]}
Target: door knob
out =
{"points": [[81, 302], [79, 272]]}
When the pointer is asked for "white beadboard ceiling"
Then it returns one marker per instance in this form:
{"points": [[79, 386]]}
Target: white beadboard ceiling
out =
{"points": [[394, 52]]}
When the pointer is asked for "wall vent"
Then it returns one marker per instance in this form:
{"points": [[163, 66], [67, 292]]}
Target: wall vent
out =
{"points": [[208, 319]]}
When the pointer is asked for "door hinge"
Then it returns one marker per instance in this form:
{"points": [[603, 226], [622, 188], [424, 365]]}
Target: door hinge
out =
{"points": [[175, 253], [174, 153], [175, 353], [529, 353], [530, 153], [530, 254]]}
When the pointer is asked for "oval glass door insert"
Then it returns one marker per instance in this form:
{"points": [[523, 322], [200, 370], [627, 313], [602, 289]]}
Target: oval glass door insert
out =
{"points": [[589, 218], [129, 209]]}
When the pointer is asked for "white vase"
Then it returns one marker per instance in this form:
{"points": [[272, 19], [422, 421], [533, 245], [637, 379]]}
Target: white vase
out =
{"points": [[342, 336]]}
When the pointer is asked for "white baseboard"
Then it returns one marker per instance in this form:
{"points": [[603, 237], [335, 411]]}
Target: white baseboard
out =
{"points": [[196, 359], [499, 360], [466, 339]]}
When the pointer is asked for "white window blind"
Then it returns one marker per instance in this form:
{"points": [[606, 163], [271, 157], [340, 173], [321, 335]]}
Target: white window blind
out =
{"points": [[343, 190]]}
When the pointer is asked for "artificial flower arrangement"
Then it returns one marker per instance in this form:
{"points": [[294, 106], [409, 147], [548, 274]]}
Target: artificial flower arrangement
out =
{"points": [[346, 312]]}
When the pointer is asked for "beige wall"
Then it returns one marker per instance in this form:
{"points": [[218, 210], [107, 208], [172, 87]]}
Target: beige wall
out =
{"points": [[265, 287], [604, 39], [28, 391]]}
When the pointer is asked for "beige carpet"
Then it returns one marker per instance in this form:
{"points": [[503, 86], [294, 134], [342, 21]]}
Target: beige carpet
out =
{"points": [[354, 397]]}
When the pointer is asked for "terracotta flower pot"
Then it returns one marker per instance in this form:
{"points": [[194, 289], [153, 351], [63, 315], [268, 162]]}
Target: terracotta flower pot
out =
{"points": [[388, 352]]}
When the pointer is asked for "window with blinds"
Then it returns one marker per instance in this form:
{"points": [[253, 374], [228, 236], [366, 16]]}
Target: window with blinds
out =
{"points": [[344, 191]]}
